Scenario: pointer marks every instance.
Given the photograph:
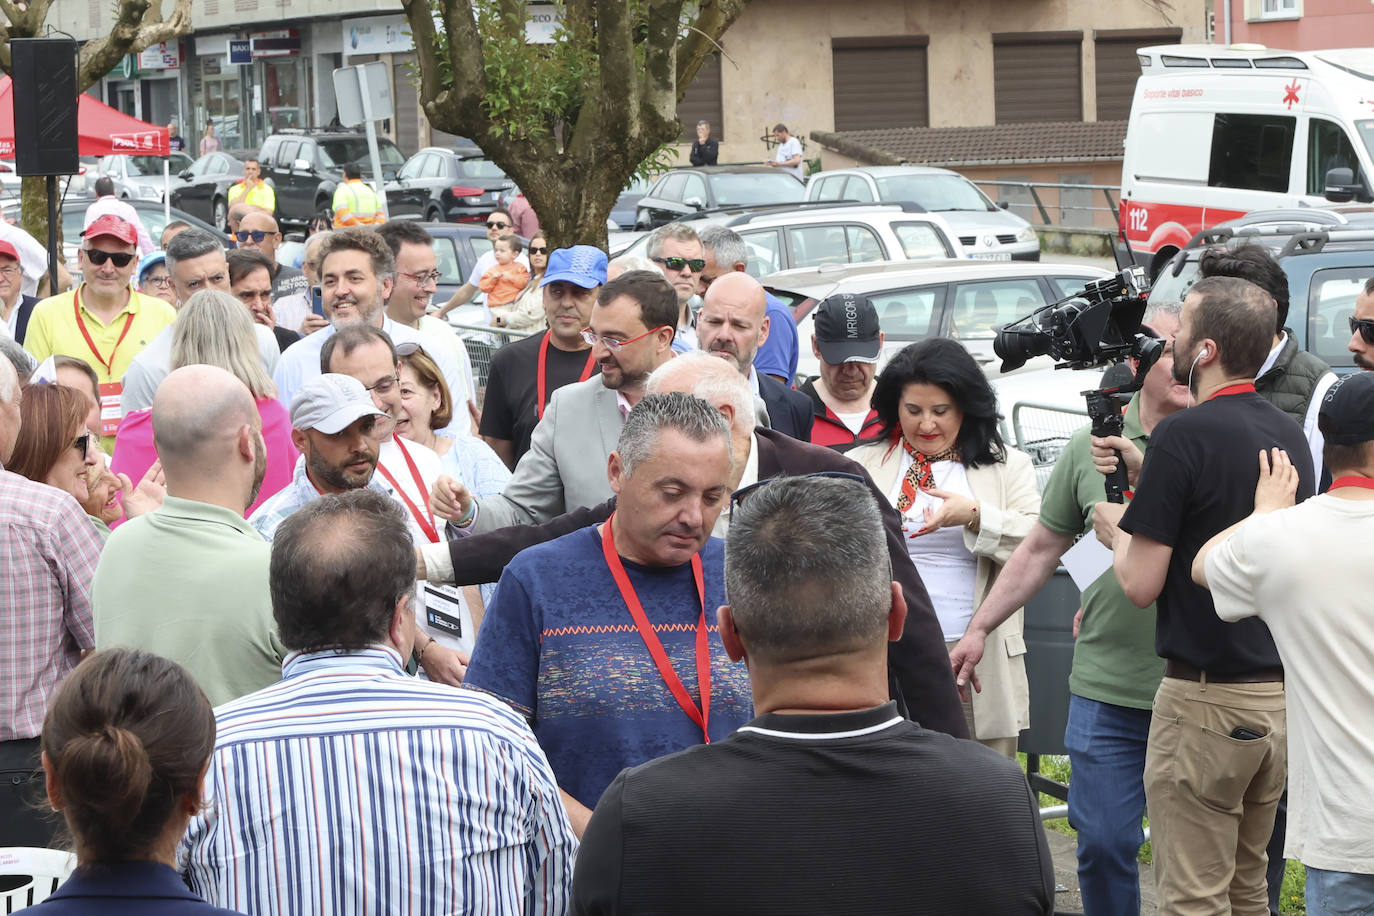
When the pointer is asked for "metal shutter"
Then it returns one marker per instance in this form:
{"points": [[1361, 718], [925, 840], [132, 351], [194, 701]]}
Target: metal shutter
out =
{"points": [[701, 102], [880, 82], [406, 99], [1118, 67], [1037, 76]]}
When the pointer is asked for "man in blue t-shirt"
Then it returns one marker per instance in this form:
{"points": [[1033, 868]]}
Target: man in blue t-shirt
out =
{"points": [[602, 637]]}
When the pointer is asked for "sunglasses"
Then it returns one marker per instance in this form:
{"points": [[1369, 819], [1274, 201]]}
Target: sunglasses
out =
{"points": [[737, 498], [697, 265], [410, 348], [1365, 326], [496, 224], [539, 249], [98, 257], [256, 235], [82, 443]]}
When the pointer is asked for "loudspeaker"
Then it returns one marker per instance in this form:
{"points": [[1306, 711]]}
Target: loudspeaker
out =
{"points": [[45, 96]]}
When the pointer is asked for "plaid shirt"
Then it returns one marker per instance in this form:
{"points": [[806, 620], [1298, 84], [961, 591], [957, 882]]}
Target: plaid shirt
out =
{"points": [[48, 551]]}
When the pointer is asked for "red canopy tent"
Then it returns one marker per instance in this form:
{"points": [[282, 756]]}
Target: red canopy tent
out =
{"points": [[101, 130]]}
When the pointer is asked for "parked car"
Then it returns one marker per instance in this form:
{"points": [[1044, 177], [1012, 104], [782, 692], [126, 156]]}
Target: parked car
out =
{"points": [[149, 212], [204, 189], [444, 185], [826, 234], [10, 180], [305, 167], [685, 192], [987, 231], [142, 177], [959, 299], [627, 204], [457, 246], [1327, 254]]}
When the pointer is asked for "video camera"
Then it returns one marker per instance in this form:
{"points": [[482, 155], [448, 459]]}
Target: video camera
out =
{"points": [[1093, 328]]}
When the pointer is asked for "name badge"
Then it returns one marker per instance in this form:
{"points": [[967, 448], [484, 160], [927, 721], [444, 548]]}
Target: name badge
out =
{"points": [[110, 393], [443, 612]]}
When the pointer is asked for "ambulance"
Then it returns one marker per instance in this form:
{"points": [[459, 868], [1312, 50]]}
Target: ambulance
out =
{"points": [[1216, 132]]}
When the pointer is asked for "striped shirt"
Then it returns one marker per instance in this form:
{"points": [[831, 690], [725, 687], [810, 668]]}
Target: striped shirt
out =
{"points": [[349, 788], [48, 552]]}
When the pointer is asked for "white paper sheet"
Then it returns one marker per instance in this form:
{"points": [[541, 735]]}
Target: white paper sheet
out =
{"points": [[1087, 560]]}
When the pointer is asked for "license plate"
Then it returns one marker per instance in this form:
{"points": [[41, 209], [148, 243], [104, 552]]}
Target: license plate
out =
{"points": [[991, 256]]}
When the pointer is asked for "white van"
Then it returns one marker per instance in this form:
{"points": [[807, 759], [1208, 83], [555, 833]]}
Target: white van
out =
{"points": [[1216, 132]]}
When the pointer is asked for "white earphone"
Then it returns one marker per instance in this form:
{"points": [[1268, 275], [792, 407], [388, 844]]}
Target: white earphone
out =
{"points": [[1204, 353]]}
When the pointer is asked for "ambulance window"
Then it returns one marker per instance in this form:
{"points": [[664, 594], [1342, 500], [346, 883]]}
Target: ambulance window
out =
{"points": [[1251, 151], [1328, 148]]}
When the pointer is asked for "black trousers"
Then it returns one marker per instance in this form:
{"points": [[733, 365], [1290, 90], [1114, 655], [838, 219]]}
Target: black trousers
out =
{"points": [[25, 816]]}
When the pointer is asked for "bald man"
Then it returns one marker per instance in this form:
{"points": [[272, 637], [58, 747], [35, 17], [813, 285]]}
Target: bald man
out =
{"points": [[258, 231], [732, 324], [189, 581]]}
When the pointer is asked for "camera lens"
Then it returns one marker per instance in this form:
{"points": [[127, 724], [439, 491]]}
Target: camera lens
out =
{"points": [[1017, 346]]}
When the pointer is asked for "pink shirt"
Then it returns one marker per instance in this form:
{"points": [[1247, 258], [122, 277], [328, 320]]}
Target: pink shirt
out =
{"points": [[113, 206], [134, 451]]}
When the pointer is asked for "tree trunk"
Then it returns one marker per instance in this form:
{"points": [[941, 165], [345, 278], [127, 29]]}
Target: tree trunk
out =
{"points": [[33, 198]]}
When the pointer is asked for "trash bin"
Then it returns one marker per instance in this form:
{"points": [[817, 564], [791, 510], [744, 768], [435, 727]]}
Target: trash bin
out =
{"points": [[1049, 656]]}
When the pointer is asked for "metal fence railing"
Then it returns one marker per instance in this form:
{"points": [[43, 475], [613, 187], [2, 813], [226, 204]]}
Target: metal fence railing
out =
{"points": [[1042, 431], [482, 341], [1072, 203]]}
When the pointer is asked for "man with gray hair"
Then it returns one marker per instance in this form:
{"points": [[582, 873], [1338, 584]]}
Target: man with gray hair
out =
{"points": [[601, 638], [676, 250], [733, 826], [725, 251], [920, 678]]}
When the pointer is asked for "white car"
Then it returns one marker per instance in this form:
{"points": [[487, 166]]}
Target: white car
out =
{"points": [[987, 231], [827, 235], [142, 177], [966, 300]]}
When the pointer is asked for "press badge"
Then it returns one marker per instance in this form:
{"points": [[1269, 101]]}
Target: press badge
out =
{"points": [[444, 611]]}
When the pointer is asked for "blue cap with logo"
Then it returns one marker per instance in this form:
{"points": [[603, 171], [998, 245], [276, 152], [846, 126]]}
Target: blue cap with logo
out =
{"points": [[582, 265]]}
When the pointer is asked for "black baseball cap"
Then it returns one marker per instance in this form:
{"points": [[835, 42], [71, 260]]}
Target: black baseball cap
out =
{"points": [[847, 330], [1346, 416]]}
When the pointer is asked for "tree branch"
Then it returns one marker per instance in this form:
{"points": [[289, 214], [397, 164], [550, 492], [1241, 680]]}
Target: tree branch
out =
{"points": [[713, 18], [615, 49], [659, 92], [426, 46]]}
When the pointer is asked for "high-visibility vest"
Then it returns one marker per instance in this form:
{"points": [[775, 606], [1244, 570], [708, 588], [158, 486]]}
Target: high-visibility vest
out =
{"points": [[356, 204], [260, 196]]}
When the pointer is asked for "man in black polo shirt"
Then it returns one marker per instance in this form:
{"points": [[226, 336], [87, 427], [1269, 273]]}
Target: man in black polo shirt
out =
{"points": [[1216, 759], [525, 374], [829, 801]]}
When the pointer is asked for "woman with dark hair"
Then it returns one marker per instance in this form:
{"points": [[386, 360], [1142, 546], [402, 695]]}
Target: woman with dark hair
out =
{"points": [[126, 743], [527, 311], [966, 501]]}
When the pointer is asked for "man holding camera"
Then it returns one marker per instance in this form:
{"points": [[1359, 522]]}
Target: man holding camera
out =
{"points": [[1115, 670], [1216, 760]]}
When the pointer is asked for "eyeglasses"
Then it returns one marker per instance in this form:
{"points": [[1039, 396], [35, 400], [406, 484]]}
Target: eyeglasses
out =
{"points": [[424, 279], [539, 249], [82, 443], [98, 257], [697, 265], [160, 282], [383, 386], [497, 224], [10, 270], [1365, 326], [610, 343], [737, 498], [256, 235]]}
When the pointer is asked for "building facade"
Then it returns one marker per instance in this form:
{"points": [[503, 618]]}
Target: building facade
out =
{"points": [[1297, 25]]}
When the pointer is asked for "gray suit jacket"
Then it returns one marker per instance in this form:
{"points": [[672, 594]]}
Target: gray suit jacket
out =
{"points": [[565, 467]]}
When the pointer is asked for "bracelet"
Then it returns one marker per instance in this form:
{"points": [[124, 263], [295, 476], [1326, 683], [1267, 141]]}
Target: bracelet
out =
{"points": [[420, 656], [973, 520], [466, 518]]}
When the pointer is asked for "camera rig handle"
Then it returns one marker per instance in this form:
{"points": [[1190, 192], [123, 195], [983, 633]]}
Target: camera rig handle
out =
{"points": [[1105, 415]]}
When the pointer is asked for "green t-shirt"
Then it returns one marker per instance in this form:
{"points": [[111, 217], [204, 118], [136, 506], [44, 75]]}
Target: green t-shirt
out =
{"points": [[1114, 658]]}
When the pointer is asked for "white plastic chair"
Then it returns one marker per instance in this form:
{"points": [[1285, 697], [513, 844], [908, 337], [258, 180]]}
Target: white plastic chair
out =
{"points": [[40, 870]]}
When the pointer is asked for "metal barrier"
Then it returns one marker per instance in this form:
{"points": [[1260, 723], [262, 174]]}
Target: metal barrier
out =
{"points": [[1042, 431], [482, 341], [1033, 188]]}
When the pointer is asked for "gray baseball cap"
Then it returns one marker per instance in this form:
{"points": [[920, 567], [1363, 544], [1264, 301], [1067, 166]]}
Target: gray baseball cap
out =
{"points": [[330, 403]]}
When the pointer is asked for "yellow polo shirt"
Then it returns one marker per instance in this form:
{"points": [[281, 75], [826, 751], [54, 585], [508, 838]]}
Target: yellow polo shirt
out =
{"points": [[53, 330], [261, 195]]}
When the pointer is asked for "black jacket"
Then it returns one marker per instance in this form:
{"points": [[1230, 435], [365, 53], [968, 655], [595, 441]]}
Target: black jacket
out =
{"points": [[918, 665], [21, 323], [704, 153], [789, 411]]}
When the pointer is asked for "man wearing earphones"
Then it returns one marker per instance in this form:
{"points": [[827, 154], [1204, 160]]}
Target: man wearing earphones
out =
{"points": [[1216, 759]]}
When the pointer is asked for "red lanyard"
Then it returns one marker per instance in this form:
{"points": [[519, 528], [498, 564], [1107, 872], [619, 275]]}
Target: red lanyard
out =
{"points": [[541, 376], [427, 526], [1364, 483], [701, 716], [1240, 388], [108, 365]]}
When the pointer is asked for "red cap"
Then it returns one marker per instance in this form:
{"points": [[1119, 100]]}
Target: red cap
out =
{"points": [[112, 225], [7, 250]]}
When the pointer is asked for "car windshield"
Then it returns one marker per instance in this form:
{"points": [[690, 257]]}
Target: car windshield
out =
{"points": [[354, 149], [934, 192], [1366, 131], [479, 168], [756, 188], [146, 165]]}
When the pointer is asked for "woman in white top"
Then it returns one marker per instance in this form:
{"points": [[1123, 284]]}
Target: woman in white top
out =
{"points": [[526, 313], [966, 501]]}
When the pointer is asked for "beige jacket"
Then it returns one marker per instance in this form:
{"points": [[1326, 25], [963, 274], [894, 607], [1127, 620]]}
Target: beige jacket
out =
{"points": [[1008, 505]]}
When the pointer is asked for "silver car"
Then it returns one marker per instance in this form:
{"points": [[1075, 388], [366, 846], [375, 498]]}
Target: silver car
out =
{"points": [[985, 230], [141, 177]]}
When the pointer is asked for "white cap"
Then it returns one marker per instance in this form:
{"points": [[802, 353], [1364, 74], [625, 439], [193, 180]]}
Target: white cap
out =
{"points": [[330, 403]]}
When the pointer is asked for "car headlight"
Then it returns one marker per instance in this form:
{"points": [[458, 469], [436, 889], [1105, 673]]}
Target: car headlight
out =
{"points": [[1026, 235]]}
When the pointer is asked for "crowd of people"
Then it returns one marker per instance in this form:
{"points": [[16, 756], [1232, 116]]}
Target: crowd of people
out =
{"points": [[293, 626]]}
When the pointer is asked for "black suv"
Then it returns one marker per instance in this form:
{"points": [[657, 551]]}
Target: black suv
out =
{"points": [[684, 192], [304, 167], [1328, 255]]}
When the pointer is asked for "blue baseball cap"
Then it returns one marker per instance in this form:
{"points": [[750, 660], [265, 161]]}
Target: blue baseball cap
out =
{"points": [[583, 265], [150, 260]]}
